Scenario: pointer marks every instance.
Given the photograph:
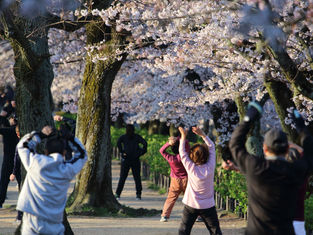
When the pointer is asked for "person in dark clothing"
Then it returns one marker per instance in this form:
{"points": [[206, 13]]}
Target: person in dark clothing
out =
{"points": [[129, 147], [9, 109], [16, 173], [272, 181], [10, 140], [4, 122]]}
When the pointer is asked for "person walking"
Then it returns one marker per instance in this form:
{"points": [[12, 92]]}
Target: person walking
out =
{"points": [[178, 175], [130, 150], [44, 192], [199, 194], [272, 181]]}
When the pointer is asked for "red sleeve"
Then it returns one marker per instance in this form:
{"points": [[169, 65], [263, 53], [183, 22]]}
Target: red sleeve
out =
{"points": [[169, 157]]}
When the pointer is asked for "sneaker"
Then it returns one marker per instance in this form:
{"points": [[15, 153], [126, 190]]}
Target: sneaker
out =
{"points": [[138, 198], [117, 197], [199, 219], [163, 219]]}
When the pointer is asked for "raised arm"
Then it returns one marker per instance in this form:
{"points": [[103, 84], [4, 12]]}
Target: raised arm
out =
{"points": [[306, 140], [239, 136], [166, 155], [26, 148], [237, 145], [79, 158], [212, 158], [184, 155]]}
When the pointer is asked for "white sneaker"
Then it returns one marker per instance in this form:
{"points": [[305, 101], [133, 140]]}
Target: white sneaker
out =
{"points": [[163, 219]]}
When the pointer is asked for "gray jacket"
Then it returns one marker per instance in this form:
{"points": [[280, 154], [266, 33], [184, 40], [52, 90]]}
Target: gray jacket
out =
{"points": [[48, 178]]}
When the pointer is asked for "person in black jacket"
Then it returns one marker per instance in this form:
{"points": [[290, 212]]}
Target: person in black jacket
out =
{"points": [[129, 147], [10, 140], [272, 181]]}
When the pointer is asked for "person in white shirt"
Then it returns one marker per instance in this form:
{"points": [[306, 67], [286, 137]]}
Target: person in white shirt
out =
{"points": [[44, 192]]}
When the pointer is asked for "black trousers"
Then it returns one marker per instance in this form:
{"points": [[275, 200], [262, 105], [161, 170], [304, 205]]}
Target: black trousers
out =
{"points": [[125, 166], [6, 171], [209, 217]]}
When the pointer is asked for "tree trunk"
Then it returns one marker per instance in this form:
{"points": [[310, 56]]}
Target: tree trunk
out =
{"points": [[33, 95], [153, 127], [282, 98], [94, 183]]}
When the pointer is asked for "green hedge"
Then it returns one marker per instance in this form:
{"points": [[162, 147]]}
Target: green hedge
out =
{"points": [[308, 213], [233, 185]]}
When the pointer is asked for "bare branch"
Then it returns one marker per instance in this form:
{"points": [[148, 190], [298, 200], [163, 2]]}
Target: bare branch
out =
{"points": [[54, 21]]}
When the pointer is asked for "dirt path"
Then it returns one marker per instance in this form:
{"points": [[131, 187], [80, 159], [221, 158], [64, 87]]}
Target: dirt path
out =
{"points": [[119, 226]]}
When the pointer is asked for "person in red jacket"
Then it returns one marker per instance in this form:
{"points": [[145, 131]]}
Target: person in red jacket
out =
{"points": [[178, 175]]}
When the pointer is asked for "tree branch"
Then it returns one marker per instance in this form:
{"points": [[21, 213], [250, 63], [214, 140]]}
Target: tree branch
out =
{"points": [[57, 22], [15, 35]]}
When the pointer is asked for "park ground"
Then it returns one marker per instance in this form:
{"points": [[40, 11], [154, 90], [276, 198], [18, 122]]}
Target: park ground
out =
{"points": [[230, 223]]}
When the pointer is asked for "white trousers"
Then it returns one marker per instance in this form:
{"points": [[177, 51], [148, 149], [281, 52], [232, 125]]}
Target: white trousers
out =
{"points": [[35, 225], [299, 228]]}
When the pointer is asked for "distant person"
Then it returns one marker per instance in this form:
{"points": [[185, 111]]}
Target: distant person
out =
{"points": [[178, 175], [130, 149], [10, 140], [16, 173], [8, 109], [272, 181], [70, 125], [199, 195], [44, 192]]}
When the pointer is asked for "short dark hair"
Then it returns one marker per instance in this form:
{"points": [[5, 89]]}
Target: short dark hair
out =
{"points": [[276, 141], [130, 129], [55, 145]]}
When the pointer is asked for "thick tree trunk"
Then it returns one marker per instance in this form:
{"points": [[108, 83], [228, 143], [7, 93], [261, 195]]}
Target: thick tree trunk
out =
{"points": [[33, 95], [94, 183]]}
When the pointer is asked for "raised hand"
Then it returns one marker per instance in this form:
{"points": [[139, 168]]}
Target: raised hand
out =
{"points": [[47, 130], [172, 140], [183, 132], [254, 112], [298, 120], [198, 131]]}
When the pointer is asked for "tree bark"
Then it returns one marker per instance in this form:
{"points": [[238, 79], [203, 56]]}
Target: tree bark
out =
{"points": [[282, 98], [94, 183]]}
